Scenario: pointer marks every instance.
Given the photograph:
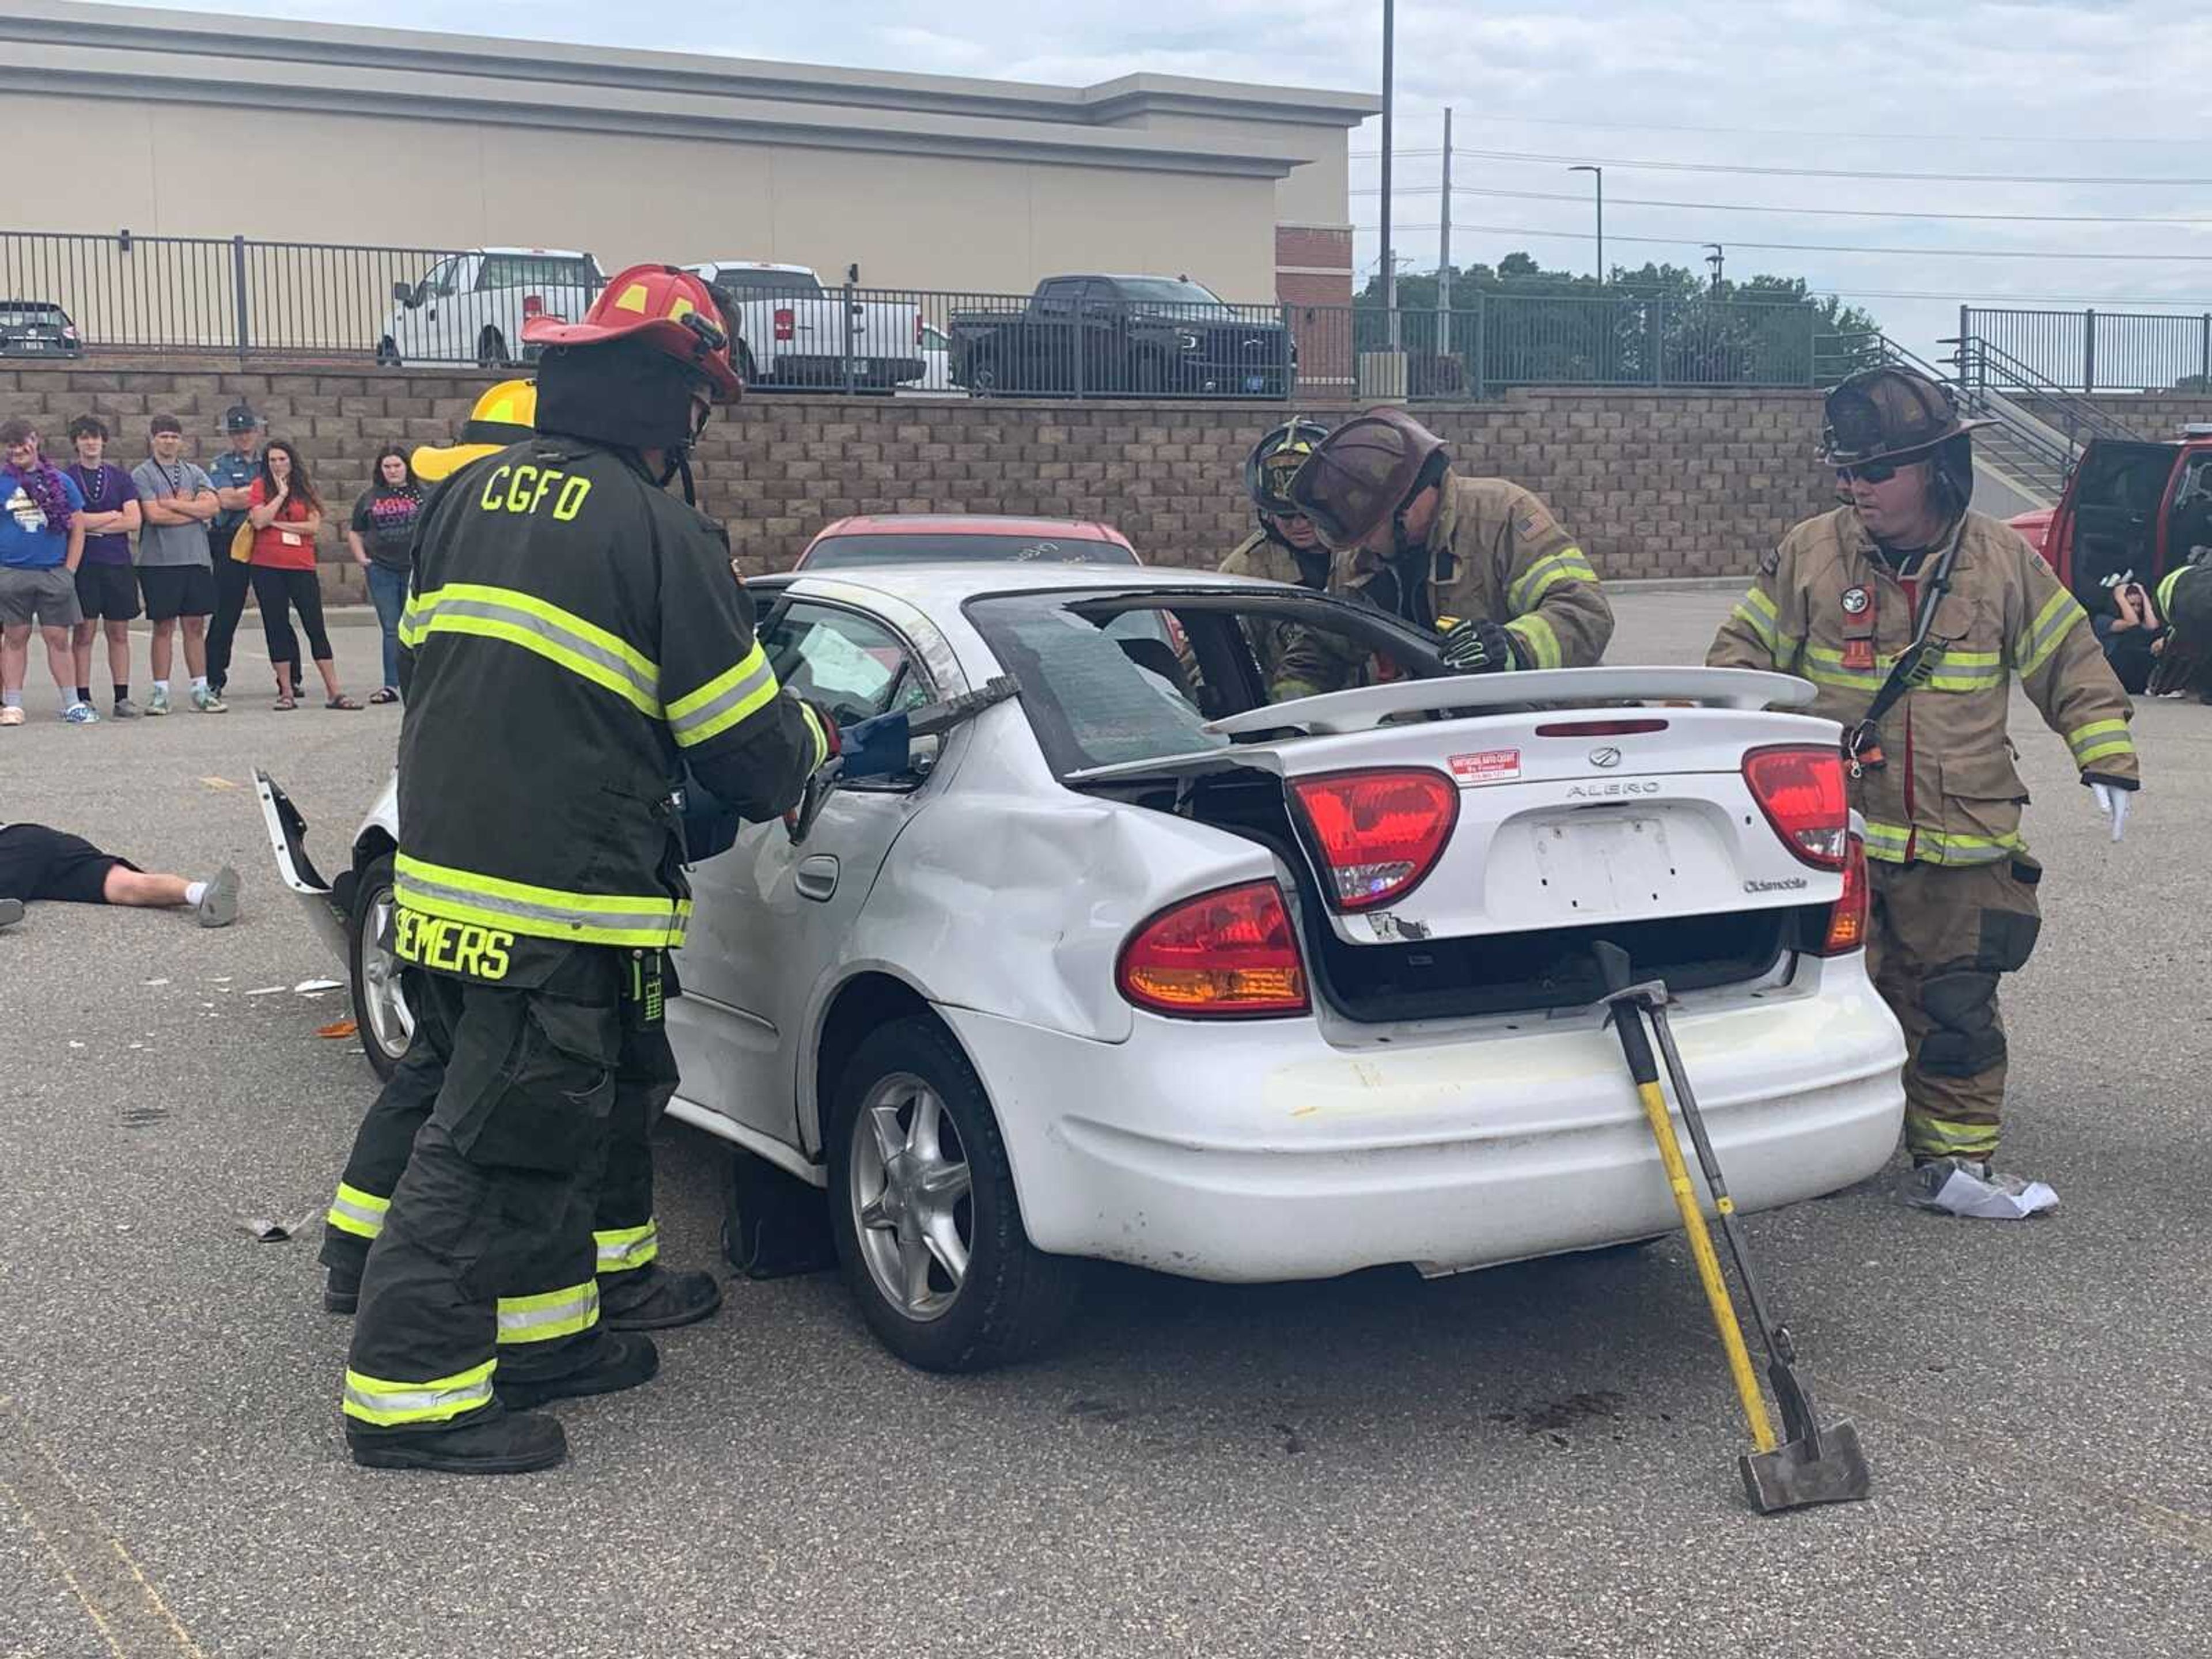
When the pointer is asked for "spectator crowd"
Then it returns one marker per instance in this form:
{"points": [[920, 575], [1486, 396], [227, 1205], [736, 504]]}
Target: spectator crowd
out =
{"points": [[88, 546]]}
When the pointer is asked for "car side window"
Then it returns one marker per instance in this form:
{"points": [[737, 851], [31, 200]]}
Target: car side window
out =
{"points": [[1058, 298], [851, 665], [439, 284]]}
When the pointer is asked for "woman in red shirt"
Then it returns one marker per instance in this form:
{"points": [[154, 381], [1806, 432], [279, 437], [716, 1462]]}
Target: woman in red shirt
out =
{"points": [[286, 515]]}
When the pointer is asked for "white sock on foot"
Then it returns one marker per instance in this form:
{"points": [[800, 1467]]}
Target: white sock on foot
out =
{"points": [[195, 892]]}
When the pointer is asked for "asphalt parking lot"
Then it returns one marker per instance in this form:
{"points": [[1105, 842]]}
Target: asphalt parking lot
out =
{"points": [[1534, 1460]]}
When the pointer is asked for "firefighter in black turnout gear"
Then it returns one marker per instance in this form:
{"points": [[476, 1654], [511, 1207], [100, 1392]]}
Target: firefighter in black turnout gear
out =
{"points": [[574, 636], [1285, 548]]}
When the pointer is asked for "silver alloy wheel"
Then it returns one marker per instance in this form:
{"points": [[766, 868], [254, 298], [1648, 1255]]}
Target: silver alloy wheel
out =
{"points": [[909, 1187], [391, 1021]]}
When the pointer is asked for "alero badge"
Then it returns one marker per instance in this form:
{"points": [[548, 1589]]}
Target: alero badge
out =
{"points": [[1855, 601], [1486, 765]]}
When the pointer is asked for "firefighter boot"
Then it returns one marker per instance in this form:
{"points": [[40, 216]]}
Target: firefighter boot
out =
{"points": [[496, 1442], [615, 1363], [651, 1298]]}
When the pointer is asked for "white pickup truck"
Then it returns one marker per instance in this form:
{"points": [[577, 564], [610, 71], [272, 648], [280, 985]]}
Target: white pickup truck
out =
{"points": [[792, 332], [470, 308]]}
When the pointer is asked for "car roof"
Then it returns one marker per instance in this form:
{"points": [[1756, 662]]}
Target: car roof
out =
{"points": [[930, 587], [30, 305], [969, 524], [749, 265], [538, 252]]}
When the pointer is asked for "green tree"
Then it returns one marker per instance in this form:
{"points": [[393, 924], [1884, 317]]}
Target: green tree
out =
{"points": [[1519, 323]]}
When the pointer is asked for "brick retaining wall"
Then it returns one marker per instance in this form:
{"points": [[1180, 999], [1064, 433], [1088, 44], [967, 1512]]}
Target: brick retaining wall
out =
{"points": [[1656, 483]]}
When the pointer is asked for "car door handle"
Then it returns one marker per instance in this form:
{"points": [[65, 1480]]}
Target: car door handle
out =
{"points": [[817, 877]]}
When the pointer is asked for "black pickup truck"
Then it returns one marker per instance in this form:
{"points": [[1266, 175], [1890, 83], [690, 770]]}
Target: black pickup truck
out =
{"points": [[1134, 337]]}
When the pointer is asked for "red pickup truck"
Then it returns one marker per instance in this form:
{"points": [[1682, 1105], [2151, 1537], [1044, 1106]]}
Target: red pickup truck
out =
{"points": [[2128, 507]]}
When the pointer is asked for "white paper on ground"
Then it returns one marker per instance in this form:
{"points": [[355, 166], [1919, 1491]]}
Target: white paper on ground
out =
{"points": [[308, 986], [2005, 1198]]}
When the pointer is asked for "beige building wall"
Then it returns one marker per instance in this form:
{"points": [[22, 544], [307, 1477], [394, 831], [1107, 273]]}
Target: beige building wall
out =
{"points": [[1317, 190]]}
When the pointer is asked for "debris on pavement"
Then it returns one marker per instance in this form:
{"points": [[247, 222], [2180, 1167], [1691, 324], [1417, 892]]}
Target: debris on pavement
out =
{"points": [[1998, 1198], [337, 1030], [315, 987]]}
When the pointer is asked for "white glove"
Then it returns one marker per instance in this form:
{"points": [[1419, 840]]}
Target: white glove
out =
{"points": [[2114, 804]]}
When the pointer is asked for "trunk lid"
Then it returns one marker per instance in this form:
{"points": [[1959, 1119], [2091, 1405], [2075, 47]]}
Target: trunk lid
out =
{"points": [[1574, 798]]}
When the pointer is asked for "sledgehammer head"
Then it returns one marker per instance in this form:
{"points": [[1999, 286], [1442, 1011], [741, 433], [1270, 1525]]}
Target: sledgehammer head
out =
{"points": [[1825, 1467]]}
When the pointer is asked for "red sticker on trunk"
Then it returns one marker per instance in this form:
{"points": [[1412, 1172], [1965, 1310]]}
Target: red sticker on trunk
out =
{"points": [[1488, 766]]}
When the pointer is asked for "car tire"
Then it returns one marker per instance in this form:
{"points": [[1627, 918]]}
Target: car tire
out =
{"points": [[491, 349], [929, 1236], [380, 1014], [983, 375], [387, 353], [747, 370]]}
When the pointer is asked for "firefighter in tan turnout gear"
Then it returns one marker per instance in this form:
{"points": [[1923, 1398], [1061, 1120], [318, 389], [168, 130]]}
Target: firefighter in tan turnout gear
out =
{"points": [[1480, 561], [1912, 616]]}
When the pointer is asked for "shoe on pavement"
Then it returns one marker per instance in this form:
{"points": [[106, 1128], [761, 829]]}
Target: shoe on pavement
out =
{"points": [[495, 1442], [125, 709], [341, 1290], [219, 904], [158, 704], [210, 701], [81, 714], [1927, 1178], [11, 912], [651, 1298], [12, 715], [620, 1362]]}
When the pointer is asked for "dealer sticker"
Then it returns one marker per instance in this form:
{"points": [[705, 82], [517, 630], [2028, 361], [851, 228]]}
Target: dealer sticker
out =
{"points": [[1486, 765]]}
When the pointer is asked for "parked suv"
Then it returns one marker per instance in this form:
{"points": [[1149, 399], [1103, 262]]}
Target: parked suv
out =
{"points": [[1124, 335], [792, 332], [470, 308], [37, 328]]}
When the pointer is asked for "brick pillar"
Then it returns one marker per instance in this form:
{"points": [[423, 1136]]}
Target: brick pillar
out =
{"points": [[1313, 278]]}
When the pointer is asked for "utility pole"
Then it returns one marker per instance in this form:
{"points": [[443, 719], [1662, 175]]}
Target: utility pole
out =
{"points": [[1717, 259], [1598, 174], [1389, 261], [1444, 247]]}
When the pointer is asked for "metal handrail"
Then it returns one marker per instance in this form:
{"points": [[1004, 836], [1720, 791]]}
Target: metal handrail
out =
{"points": [[2082, 414]]}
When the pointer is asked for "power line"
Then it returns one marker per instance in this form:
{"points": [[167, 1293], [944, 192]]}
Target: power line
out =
{"points": [[1628, 164], [1420, 191], [2071, 141], [1848, 247]]}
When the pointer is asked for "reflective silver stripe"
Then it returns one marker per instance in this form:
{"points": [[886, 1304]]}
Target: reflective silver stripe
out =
{"points": [[622, 1248], [431, 606], [421, 1404], [408, 886], [526, 1318], [371, 1221], [761, 679]]}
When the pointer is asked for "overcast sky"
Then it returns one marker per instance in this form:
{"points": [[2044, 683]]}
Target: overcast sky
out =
{"points": [[2111, 91]]}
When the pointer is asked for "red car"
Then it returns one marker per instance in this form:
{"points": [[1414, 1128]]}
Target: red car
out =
{"points": [[964, 538], [2136, 507]]}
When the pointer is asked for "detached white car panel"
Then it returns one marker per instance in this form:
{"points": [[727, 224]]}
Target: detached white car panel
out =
{"points": [[1274, 1148]]}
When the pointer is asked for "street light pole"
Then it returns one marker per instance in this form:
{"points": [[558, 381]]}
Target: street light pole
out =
{"points": [[1390, 263], [1597, 173]]}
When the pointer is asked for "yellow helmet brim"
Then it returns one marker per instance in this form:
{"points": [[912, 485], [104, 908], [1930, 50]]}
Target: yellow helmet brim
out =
{"points": [[433, 464]]}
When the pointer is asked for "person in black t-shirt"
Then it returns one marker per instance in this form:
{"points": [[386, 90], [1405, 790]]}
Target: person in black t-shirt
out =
{"points": [[381, 532]]}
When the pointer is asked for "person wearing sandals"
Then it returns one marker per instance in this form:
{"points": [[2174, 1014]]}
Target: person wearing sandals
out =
{"points": [[379, 532], [286, 515]]}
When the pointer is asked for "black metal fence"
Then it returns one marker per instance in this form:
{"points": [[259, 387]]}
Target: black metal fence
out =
{"points": [[400, 305], [2090, 350]]}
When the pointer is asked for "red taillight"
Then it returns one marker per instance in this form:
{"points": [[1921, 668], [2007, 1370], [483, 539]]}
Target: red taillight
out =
{"points": [[1847, 921], [1222, 955], [784, 321], [533, 305], [917, 328], [1379, 832], [1599, 729], [1801, 793]]}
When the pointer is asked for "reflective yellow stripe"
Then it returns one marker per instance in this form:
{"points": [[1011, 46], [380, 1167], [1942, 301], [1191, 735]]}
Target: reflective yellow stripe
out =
{"points": [[355, 1211], [1888, 842], [1988, 681], [1770, 634], [438, 890], [549, 1314], [621, 1248], [2108, 736], [1538, 635], [522, 619], [820, 728], [2166, 590], [1850, 679], [724, 701], [1567, 565], [376, 1400], [2060, 612], [1936, 1137]]}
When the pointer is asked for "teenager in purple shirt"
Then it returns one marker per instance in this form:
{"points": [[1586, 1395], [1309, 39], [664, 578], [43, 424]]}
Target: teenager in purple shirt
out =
{"points": [[106, 586]]}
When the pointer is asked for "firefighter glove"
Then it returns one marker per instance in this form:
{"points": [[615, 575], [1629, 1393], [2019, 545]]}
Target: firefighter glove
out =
{"points": [[2112, 801], [879, 748], [1479, 646]]}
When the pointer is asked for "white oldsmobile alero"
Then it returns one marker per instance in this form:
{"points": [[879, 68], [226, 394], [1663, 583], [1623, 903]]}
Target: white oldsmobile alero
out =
{"points": [[1137, 967]]}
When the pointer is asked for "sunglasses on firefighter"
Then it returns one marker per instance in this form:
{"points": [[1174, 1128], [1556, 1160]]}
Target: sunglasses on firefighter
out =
{"points": [[1881, 471]]}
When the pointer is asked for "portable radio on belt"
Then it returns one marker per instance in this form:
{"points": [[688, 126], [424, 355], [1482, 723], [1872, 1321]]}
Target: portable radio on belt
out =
{"points": [[644, 992]]}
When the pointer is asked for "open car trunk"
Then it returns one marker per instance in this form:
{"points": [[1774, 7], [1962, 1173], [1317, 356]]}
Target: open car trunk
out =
{"points": [[1587, 816]]}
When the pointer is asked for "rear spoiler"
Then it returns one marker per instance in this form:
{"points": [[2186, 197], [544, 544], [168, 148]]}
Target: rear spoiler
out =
{"points": [[1368, 707]]}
